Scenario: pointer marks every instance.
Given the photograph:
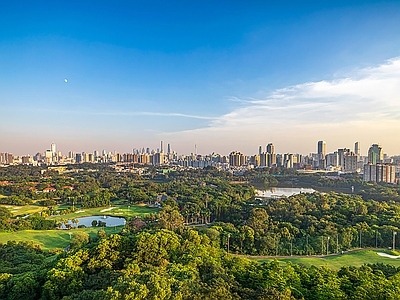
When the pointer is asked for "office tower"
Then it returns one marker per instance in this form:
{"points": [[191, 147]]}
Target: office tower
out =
{"points": [[104, 152], [341, 154], [332, 159], [78, 158], [263, 159], [48, 157], [357, 148], [321, 148], [162, 147], [375, 154], [236, 159], [270, 148], [255, 160], [350, 162], [169, 148], [259, 150], [53, 148], [157, 158]]}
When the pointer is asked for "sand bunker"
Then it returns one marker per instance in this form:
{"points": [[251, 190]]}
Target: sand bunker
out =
{"points": [[79, 211], [107, 209], [387, 255]]}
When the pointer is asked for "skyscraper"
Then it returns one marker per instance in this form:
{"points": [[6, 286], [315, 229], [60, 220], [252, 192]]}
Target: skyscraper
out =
{"points": [[53, 148], [357, 148], [270, 148], [375, 154], [321, 149], [162, 147]]}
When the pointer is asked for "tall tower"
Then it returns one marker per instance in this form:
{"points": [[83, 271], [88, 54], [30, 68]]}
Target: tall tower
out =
{"points": [[357, 148], [162, 147], [375, 154], [321, 149], [270, 148], [259, 150], [169, 148], [53, 148]]}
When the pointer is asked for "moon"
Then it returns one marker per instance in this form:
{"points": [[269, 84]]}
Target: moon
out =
{"points": [[65, 80]]}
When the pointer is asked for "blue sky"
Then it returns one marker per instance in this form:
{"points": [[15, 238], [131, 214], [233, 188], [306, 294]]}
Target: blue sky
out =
{"points": [[225, 76]]}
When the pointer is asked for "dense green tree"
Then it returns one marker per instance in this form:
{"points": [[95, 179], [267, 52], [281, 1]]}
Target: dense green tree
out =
{"points": [[170, 218]]}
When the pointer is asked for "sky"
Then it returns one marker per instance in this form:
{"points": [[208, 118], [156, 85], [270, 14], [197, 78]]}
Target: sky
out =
{"points": [[222, 75]]}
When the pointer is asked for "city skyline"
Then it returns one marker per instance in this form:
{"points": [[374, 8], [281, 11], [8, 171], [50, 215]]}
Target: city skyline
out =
{"points": [[90, 76], [321, 148]]}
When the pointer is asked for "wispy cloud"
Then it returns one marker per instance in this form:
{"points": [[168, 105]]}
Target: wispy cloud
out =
{"points": [[356, 105], [127, 113]]}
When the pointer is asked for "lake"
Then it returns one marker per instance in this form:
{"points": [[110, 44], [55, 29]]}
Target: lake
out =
{"points": [[110, 221], [277, 192]]}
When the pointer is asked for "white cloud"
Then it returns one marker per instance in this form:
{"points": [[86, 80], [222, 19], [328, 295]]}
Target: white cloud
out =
{"points": [[364, 105]]}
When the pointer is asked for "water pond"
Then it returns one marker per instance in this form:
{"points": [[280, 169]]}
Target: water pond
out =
{"points": [[110, 221], [276, 192]]}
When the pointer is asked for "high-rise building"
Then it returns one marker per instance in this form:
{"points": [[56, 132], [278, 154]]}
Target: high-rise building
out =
{"points": [[270, 148], [379, 173], [332, 159], [350, 162], [289, 160], [341, 154], [162, 147], [53, 148], [78, 158], [321, 149], [236, 159], [357, 148], [169, 149], [259, 150], [375, 154], [157, 159]]}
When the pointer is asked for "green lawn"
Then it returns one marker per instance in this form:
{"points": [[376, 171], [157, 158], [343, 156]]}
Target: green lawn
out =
{"points": [[51, 239], [356, 258], [23, 210], [116, 211]]}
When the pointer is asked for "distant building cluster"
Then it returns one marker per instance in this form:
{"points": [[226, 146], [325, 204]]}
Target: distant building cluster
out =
{"points": [[375, 167]]}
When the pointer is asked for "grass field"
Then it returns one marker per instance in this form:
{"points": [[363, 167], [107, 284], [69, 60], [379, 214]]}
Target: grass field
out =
{"points": [[23, 210], [121, 210], [116, 211], [51, 239], [356, 258]]}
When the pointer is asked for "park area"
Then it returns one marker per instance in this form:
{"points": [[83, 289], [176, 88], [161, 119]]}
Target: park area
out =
{"points": [[355, 258], [52, 239], [59, 238]]}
